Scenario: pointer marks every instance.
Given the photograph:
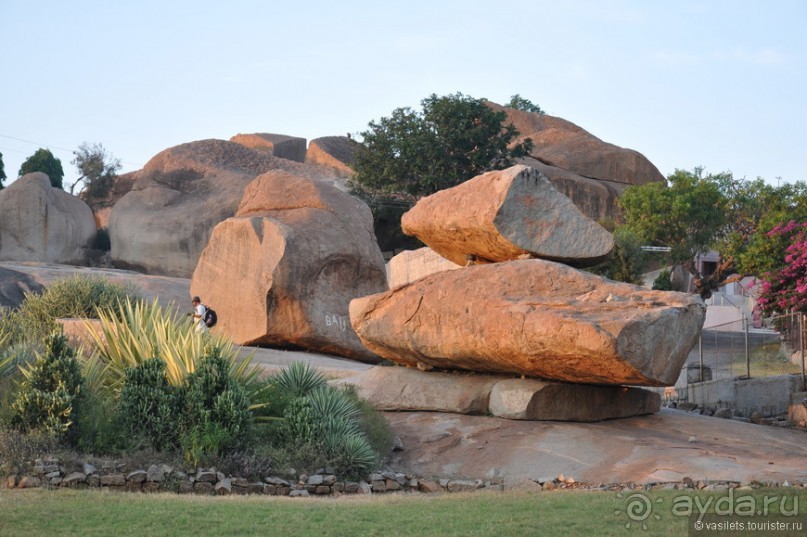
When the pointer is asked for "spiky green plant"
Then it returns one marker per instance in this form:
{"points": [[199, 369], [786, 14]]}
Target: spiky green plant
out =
{"points": [[356, 457], [329, 403], [298, 379], [138, 331]]}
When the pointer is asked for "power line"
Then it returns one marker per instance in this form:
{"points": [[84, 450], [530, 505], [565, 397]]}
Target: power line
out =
{"points": [[40, 144], [50, 146]]}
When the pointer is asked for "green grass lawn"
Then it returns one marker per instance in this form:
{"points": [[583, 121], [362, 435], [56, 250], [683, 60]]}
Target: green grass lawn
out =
{"points": [[67, 512]]}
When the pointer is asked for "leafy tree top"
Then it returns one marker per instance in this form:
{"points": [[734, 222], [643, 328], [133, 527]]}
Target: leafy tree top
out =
{"points": [[697, 213], [453, 139], [520, 103], [2, 171], [96, 169], [44, 161]]}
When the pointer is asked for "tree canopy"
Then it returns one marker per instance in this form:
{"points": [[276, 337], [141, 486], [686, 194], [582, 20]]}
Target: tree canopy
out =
{"points": [[96, 169], [44, 161], [695, 214], [2, 171], [454, 138], [785, 288], [520, 103]]}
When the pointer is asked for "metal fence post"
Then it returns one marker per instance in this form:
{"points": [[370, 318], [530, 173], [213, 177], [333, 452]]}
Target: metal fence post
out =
{"points": [[700, 353], [747, 355]]}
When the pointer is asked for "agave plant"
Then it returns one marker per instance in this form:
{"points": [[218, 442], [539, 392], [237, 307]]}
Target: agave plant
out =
{"points": [[299, 379], [138, 331]]}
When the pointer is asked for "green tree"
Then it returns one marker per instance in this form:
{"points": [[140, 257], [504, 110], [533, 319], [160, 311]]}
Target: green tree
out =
{"points": [[453, 139], [520, 103], [2, 172], [697, 213], [44, 161], [687, 216], [97, 170]]}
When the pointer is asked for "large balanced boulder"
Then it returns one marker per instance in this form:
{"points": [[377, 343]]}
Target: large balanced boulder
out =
{"points": [[279, 145], [337, 152], [162, 225], [41, 223], [284, 269], [563, 144], [535, 318], [595, 198], [502, 215]]}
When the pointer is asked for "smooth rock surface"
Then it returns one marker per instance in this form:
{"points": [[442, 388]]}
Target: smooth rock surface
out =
{"points": [[401, 388], [279, 145], [563, 144], [337, 152], [162, 225], [284, 269], [645, 449], [411, 265], [42, 223], [530, 399], [506, 214], [596, 198], [536, 318]]}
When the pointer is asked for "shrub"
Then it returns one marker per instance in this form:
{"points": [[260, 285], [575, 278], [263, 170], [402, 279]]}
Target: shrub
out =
{"points": [[99, 429], [139, 331], [215, 410], [325, 426], [663, 281], [18, 450], [78, 296], [298, 379], [48, 395], [148, 405]]}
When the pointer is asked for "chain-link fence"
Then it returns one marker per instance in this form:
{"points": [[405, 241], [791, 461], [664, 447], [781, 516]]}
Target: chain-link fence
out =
{"points": [[738, 350]]}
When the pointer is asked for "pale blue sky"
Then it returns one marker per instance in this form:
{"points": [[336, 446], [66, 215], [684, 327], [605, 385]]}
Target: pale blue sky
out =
{"points": [[718, 84]]}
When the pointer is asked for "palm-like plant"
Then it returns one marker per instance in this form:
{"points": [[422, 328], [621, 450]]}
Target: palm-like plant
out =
{"points": [[299, 379], [139, 331]]}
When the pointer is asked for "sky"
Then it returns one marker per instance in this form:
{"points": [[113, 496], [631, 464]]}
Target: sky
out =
{"points": [[716, 84]]}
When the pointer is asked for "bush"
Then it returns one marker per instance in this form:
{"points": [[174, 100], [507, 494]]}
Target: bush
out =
{"points": [[18, 450], [324, 426], [78, 296], [299, 379], [215, 410], [148, 406], [48, 396], [139, 331], [663, 281]]}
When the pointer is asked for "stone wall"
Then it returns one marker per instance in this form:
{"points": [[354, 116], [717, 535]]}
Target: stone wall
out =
{"points": [[767, 395]]}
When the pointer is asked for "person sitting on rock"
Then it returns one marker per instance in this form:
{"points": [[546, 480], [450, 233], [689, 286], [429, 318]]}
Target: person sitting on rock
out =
{"points": [[198, 314]]}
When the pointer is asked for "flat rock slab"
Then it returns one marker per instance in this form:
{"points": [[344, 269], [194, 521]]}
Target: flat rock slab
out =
{"points": [[667, 446], [401, 388], [535, 318], [405, 389], [504, 214], [528, 399]]}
